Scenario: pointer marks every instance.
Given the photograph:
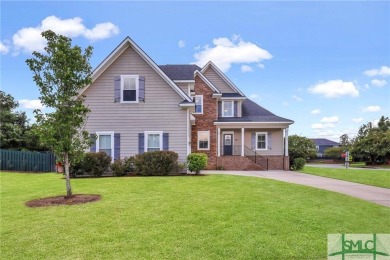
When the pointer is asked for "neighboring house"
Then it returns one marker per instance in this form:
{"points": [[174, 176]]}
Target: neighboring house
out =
{"points": [[138, 106], [322, 144]]}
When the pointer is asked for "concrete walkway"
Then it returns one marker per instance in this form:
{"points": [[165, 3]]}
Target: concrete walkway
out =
{"points": [[369, 193]]}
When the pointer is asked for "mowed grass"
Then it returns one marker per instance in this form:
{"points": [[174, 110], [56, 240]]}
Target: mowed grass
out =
{"points": [[206, 217], [380, 178]]}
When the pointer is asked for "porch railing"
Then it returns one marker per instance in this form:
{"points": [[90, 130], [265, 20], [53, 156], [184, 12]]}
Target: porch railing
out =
{"points": [[248, 152]]}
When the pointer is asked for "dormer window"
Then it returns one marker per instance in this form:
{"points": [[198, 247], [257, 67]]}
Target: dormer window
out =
{"points": [[129, 88], [199, 104], [227, 108]]}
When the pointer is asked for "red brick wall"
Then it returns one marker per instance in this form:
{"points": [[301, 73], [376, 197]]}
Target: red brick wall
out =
{"points": [[243, 163], [204, 122]]}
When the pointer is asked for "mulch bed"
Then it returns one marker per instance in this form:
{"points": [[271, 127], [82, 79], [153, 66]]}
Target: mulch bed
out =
{"points": [[63, 200]]}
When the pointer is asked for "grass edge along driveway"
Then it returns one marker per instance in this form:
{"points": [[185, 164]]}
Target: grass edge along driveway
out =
{"points": [[379, 178], [207, 217]]}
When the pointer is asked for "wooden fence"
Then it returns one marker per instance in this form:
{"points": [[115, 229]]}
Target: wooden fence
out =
{"points": [[26, 161]]}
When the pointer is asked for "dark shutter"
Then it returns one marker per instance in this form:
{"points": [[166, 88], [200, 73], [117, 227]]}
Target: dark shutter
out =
{"points": [[253, 141], [235, 108], [269, 141], [141, 143], [219, 109], [93, 143], [117, 89], [141, 88], [165, 141], [117, 146]]}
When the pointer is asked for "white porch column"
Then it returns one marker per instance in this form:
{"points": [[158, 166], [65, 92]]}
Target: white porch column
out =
{"points": [[219, 142], [242, 141], [286, 142]]}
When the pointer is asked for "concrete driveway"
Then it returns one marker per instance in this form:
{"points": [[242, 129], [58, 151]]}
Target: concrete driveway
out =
{"points": [[369, 193]]}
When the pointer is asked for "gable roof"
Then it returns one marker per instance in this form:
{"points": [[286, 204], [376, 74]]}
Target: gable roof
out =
{"points": [[128, 42], [180, 72], [323, 141], [252, 112], [222, 75], [205, 80]]}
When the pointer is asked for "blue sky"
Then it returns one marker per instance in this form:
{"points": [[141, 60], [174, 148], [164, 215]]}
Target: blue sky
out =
{"points": [[325, 65]]}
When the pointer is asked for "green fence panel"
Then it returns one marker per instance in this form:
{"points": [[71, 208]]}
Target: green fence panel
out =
{"points": [[26, 161]]}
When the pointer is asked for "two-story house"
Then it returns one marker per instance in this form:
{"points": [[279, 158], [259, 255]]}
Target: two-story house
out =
{"points": [[138, 106]]}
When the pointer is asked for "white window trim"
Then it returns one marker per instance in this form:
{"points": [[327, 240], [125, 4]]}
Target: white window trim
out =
{"points": [[136, 77], [199, 113], [112, 142], [146, 139], [223, 109], [266, 141], [208, 140]]}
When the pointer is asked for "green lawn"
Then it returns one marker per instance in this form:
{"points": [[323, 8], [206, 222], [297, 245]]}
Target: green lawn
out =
{"points": [[206, 217], [380, 178]]}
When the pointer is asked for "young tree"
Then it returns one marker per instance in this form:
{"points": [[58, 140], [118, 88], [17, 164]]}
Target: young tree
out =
{"points": [[300, 147], [60, 74]]}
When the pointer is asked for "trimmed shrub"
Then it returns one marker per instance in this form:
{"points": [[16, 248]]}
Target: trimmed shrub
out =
{"points": [[298, 164], [96, 164], [118, 168], [197, 162], [156, 163], [129, 164]]}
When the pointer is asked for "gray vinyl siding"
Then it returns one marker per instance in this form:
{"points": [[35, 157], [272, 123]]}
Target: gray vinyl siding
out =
{"points": [[217, 81], [159, 112], [183, 86]]}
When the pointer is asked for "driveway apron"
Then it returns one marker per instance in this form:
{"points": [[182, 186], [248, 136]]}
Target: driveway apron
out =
{"points": [[369, 193]]}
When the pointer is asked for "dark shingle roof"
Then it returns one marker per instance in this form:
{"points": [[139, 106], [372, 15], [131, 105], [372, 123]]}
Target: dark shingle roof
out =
{"points": [[252, 112], [180, 72], [231, 95], [323, 141]]}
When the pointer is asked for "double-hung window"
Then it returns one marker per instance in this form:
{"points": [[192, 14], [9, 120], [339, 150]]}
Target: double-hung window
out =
{"points": [[203, 140], [227, 108], [199, 104], [105, 143], [129, 88], [153, 141], [261, 141]]}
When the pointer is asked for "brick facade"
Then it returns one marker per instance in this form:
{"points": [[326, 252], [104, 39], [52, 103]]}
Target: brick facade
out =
{"points": [[205, 122], [244, 163]]}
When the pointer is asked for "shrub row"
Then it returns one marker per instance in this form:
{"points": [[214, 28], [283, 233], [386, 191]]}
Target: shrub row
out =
{"points": [[146, 164]]}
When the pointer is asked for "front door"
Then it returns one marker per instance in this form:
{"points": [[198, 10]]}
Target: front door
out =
{"points": [[227, 144]]}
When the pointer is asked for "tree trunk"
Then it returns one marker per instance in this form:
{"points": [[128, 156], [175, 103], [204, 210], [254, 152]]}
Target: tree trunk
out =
{"points": [[67, 176]]}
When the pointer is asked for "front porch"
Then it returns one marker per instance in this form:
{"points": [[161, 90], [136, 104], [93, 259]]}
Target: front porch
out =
{"points": [[252, 147]]}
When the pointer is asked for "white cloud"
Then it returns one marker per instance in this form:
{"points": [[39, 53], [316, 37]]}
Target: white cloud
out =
{"points": [[246, 68], [296, 98], [315, 112], [226, 52], [181, 44], [322, 126], [4, 49], [101, 31], [331, 119], [29, 39], [357, 120], [261, 66], [378, 82], [372, 109], [382, 71], [335, 89], [254, 97], [31, 104]]}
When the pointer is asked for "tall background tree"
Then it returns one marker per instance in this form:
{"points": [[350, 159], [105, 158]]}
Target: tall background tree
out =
{"points": [[373, 143], [16, 133], [60, 73]]}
